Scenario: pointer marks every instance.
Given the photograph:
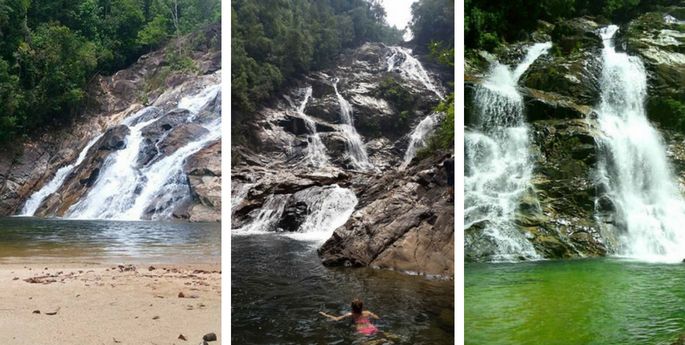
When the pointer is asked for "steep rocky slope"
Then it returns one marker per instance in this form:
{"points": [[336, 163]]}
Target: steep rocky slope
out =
{"points": [[152, 81], [565, 213], [306, 168]]}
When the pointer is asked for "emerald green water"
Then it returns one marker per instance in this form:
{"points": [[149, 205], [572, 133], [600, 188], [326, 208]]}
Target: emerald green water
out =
{"points": [[593, 301]]}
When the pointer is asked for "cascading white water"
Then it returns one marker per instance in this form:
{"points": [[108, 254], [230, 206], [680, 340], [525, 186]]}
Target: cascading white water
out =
{"points": [[402, 61], [267, 218], [417, 138], [127, 191], [327, 209], [37, 198], [316, 151], [498, 165], [633, 168], [405, 63], [354, 143]]}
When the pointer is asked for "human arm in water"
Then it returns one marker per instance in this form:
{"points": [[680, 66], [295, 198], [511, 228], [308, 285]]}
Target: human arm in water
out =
{"points": [[335, 318]]}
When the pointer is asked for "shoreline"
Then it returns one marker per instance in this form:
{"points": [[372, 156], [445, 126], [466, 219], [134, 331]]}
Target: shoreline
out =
{"points": [[96, 301]]}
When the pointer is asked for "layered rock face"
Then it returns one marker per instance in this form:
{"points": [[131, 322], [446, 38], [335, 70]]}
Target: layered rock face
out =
{"points": [[564, 213], [327, 155], [148, 94], [404, 221]]}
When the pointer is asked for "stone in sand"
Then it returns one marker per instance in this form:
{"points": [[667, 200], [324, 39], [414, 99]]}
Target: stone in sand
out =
{"points": [[209, 337]]}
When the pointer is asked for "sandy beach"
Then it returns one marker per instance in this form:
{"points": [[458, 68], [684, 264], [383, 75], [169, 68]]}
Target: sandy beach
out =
{"points": [[95, 303]]}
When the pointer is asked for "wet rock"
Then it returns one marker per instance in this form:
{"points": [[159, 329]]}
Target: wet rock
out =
{"points": [[659, 43], [294, 215], [399, 224], [209, 337], [545, 105], [79, 181], [574, 34], [204, 178]]}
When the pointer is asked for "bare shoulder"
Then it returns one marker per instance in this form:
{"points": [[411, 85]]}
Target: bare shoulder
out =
{"points": [[368, 313]]}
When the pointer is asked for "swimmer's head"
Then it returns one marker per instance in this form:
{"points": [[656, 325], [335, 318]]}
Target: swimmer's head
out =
{"points": [[357, 306]]}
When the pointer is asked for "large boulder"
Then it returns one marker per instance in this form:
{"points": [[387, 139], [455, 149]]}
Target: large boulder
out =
{"points": [[204, 177], [403, 222]]}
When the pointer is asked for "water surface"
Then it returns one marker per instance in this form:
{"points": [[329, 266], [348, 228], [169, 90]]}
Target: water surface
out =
{"points": [[279, 286], [593, 301], [34, 239]]}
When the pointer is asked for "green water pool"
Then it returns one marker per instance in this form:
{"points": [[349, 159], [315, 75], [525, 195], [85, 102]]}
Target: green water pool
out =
{"points": [[589, 301]]}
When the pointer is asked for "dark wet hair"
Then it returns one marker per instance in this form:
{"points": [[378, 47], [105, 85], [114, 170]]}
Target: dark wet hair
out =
{"points": [[357, 306]]}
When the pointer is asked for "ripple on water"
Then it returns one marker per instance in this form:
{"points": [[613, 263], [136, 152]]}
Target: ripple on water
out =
{"points": [[279, 286]]}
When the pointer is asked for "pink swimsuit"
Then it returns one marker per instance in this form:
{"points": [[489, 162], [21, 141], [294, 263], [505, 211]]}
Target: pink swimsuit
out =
{"points": [[365, 327]]}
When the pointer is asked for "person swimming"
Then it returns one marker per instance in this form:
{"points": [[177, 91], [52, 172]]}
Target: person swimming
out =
{"points": [[360, 317]]}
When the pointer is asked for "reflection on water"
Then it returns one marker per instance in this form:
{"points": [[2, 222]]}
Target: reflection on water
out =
{"points": [[279, 286], [144, 241], [594, 301]]}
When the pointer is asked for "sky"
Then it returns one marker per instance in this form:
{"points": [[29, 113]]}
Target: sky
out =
{"points": [[398, 13]]}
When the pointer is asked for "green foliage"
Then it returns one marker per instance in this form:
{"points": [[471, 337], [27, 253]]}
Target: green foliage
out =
{"points": [[50, 49], [401, 99], [445, 134], [432, 21], [489, 22], [443, 55], [273, 41], [668, 111]]}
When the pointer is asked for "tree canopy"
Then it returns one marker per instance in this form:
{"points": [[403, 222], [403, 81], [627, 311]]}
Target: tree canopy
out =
{"points": [[274, 40], [489, 22], [50, 49]]}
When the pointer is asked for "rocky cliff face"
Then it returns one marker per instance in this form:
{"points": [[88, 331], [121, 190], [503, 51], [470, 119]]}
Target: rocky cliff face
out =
{"points": [[284, 180], [152, 83], [564, 213]]}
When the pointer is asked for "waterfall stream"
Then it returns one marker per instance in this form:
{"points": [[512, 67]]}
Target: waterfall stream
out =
{"points": [[402, 61], [498, 166], [353, 141], [327, 209], [316, 151], [37, 198], [127, 191], [418, 136], [633, 167]]}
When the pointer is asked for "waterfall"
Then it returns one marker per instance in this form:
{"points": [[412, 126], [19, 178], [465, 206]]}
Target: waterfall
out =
{"points": [[633, 168], [316, 151], [417, 138], [498, 166], [267, 218], [402, 61], [354, 143], [37, 198], [327, 209], [127, 191]]}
